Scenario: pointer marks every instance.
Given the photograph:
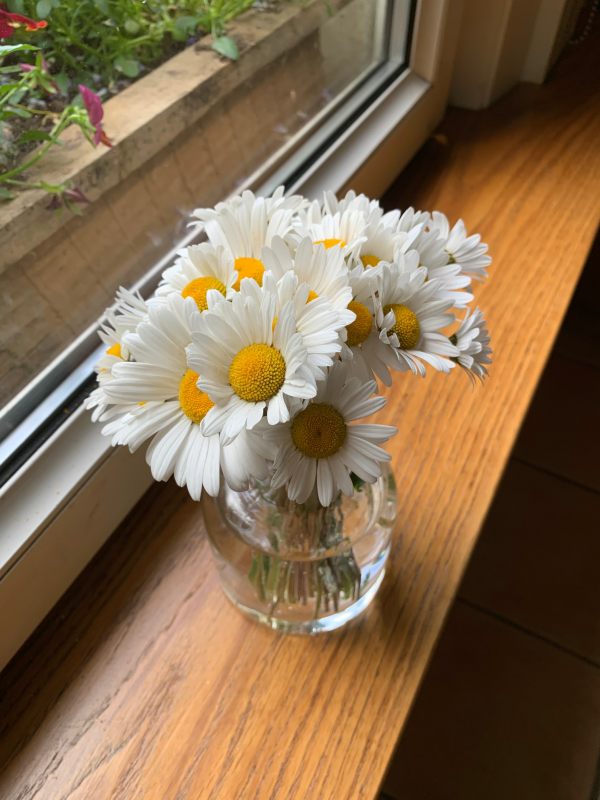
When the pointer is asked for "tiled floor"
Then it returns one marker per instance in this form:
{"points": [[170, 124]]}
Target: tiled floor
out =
{"points": [[537, 562], [510, 706]]}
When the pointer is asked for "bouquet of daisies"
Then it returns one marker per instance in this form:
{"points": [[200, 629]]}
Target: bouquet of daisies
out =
{"points": [[262, 346]]}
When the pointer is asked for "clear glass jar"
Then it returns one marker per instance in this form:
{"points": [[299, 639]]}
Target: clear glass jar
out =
{"points": [[301, 568]]}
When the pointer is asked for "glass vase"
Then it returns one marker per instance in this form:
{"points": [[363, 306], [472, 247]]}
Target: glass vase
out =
{"points": [[301, 568]]}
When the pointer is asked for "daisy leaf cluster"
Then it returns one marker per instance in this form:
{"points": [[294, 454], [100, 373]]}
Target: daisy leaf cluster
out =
{"points": [[260, 350]]}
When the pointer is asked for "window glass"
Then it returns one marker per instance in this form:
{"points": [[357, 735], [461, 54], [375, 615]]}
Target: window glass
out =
{"points": [[299, 64]]}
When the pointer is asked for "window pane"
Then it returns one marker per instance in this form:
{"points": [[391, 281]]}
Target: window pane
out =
{"points": [[240, 124]]}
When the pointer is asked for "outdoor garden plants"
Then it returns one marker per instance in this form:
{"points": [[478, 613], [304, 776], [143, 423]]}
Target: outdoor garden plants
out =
{"points": [[61, 59]]}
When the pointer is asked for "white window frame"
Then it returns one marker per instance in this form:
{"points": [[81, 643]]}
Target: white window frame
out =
{"points": [[62, 505]]}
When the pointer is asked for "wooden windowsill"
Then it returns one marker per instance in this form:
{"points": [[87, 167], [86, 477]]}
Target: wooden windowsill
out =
{"points": [[145, 683]]}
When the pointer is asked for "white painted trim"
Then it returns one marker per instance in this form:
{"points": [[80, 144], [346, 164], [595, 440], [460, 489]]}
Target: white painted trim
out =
{"points": [[81, 510], [384, 139], [432, 58], [546, 32], [504, 42], [359, 141], [63, 504]]}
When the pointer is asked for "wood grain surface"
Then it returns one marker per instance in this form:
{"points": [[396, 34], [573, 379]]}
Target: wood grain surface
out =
{"points": [[145, 683]]}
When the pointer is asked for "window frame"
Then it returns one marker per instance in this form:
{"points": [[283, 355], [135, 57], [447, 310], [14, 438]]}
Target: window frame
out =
{"points": [[63, 503]]}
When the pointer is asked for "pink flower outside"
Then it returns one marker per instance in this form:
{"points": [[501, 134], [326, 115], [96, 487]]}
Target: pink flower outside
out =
{"points": [[93, 106]]}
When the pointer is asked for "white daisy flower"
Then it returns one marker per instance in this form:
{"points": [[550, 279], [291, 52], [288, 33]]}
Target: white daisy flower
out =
{"points": [[344, 230], [246, 224], [451, 281], [278, 201], [406, 228], [395, 220], [410, 315], [432, 254], [122, 317], [468, 252], [430, 247], [251, 359], [257, 354], [198, 269], [381, 243], [371, 210], [402, 262], [322, 269], [317, 320], [319, 447], [365, 351], [410, 219], [472, 341], [157, 397]]}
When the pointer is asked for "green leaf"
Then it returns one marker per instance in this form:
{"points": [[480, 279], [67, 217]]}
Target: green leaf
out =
{"points": [[47, 83], [34, 136], [128, 66], [357, 482], [17, 112], [53, 188], [225, 46], [7, 87], [178, 35], [186, 24], [7, 49], [43, 8], [17, 6], [18, 95], [102, 6], [62, 81], [5, 194], [132, 26]]}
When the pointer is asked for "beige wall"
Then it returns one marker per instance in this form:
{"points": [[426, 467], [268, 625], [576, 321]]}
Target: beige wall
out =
{"points": [[503, 42]]}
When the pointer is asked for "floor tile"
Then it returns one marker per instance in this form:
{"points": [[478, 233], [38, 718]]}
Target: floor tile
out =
{"points": [[537, 560], [561, 431], [501, 715], [579, 337], [587, 293]]}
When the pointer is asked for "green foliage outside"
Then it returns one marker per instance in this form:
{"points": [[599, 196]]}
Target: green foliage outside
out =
{"points": [[99, 42], [59, 59]]}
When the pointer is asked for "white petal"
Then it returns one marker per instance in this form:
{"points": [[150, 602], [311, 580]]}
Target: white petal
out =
{"points": [[325, 487]]}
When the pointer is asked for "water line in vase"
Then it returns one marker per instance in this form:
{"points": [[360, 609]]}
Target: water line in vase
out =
{"points": [[324, 581]]}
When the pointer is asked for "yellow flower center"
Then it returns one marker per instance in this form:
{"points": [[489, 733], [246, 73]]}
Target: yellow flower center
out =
{"points": [[360, 329], [248, 268], [198, 289], [311, 296], [257, 373], [407, 327], [319, 431], [370, 261], [194, 403], [328, 243], [114, 350]]}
